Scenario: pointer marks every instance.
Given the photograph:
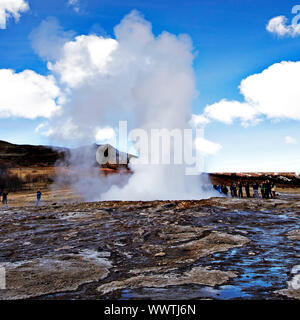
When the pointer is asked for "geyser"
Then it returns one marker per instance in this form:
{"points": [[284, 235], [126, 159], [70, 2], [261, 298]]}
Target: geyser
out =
{"points": [[136, 76]]}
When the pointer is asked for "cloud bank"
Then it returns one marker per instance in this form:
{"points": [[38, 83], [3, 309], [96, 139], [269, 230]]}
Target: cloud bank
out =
{"points": [[75, 4], [28, 95], [279, 26], [273, 94], [11, 9]]}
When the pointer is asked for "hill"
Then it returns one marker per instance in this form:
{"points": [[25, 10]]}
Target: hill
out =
{"points": [[14, 156], [33, 162], [22, 156]]}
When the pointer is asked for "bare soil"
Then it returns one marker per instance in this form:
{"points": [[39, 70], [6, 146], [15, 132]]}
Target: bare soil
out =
{"points": [[220, 248]]}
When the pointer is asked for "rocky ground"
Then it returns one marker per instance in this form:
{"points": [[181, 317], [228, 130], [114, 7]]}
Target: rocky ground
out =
{"points": [[221, 248]]}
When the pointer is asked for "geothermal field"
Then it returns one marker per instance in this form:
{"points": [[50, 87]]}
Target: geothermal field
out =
{"points": [[217, 248], [210, 249]]}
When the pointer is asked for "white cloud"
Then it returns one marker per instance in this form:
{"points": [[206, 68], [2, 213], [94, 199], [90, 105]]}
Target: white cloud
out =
{"points": [[227, 111], [40, 127], [290, 140], [207, 147], [279, 26], [273, 93], [199, 120], [11, 9], [74, 4], [84, 58], [105, 134], [28, 94]]}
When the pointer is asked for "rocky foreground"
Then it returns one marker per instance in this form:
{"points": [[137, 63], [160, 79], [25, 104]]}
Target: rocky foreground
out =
{"points": [[220, 248]]}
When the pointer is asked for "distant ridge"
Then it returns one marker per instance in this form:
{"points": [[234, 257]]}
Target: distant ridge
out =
{"points": [[24, 155], [14, 155]]}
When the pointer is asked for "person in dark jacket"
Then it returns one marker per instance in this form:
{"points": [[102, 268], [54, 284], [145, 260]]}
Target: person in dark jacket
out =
{"points": [[240, 186], [255, 187], [233, 189], [268, 189], [4, 197], [38, 197], [247, 189], [224, 190], [263, 189]]}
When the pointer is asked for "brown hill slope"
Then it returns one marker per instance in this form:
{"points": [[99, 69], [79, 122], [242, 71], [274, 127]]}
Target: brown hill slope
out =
{"points": [[27, 157], [14, 156]]}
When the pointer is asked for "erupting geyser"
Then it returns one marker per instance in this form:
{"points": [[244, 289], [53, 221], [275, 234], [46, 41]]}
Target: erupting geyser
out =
{"points": [[138, 77]]}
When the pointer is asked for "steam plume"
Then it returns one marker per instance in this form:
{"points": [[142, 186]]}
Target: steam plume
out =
{"points": [[136, 76]]}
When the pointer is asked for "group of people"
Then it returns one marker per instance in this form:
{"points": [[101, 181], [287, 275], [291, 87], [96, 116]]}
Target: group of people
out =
{"points": [[267, 188], [4, 195]]}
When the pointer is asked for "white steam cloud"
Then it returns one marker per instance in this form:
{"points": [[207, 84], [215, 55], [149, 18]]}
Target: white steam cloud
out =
{"points": [[49, 38], [145, 79]]}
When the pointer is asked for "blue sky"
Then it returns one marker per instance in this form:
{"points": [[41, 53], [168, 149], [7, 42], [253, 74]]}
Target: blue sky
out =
{"points": [[230, 43]]}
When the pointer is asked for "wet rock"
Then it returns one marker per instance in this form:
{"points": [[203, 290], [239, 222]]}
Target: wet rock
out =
{"points": [[52, 273], [294, 234], [199, 214], [61, 254], [214, 242], [293, 289], [197, 275], [63, 248], [155, 269], [160, 254]]}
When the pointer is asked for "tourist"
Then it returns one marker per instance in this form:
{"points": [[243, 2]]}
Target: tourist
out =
{"points": [[38, 197], [263, 189], [4, 197], [240, 186], [273, 190], [234, 189], [247, 189], [224, 190], [231, 190], [268, 190], [255, 187]]}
